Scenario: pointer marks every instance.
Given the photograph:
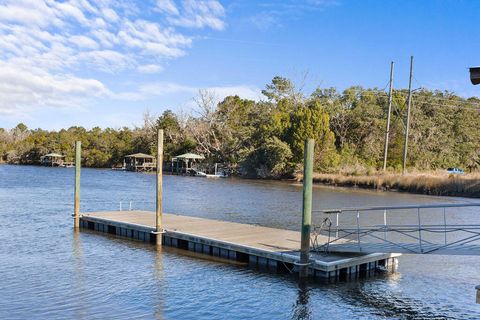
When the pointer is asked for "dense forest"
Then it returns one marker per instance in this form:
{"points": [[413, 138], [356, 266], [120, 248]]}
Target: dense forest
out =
{"points": [[265, 138]]}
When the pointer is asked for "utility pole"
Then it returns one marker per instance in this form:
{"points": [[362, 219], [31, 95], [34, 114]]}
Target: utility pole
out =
{"points": [[387, 132], [158, 212], [405, 148]]}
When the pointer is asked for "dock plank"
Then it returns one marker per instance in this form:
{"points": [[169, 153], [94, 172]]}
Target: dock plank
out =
{"points": [[244, 234]]}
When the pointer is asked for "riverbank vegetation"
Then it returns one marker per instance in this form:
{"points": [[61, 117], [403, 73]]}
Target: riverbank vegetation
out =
{"points": [[437, 183], [264, 139]]}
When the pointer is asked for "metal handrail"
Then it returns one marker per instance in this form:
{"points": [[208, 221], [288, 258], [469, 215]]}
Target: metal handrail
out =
{"points": [[354, 231], [379, 208]]}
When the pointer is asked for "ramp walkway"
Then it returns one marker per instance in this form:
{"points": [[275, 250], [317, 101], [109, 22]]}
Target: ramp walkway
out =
{"points": [[446, 229]]}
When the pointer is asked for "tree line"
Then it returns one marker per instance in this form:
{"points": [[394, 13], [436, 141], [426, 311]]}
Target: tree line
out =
{"points": [[265, 138]]}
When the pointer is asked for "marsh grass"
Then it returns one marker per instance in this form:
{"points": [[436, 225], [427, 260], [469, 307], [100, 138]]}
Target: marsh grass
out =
{"points": [[432, 183]]}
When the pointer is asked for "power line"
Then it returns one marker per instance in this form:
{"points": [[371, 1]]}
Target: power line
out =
{"points": [[450, 100], [425, 100], [445, 106]]}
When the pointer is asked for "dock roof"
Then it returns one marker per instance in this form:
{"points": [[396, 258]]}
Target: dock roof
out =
{"points": [[190, 156], [53, 154], [139, 155]]}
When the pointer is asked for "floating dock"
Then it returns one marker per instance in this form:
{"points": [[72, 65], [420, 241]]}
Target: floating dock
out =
{"points": [[257, 246]]}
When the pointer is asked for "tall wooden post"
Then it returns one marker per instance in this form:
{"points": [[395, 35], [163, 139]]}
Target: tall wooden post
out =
{"points": [[306, 208], [78, 164], [158, 213]]}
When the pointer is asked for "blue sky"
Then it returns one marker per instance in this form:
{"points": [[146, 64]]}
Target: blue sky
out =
{"points": [[104, 63]]}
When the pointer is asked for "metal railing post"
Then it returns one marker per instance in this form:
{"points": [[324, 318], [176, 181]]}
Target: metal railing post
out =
{"points": [[336, 233], [385, 224], [358, 230], [419, 230], [445, 223]]}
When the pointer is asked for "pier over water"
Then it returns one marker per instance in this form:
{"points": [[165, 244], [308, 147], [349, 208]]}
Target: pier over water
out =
{"points": [[258, 246], [277, 250]]}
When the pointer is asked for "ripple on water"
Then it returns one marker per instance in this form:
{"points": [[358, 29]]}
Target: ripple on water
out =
{"points": [[50, 272]]}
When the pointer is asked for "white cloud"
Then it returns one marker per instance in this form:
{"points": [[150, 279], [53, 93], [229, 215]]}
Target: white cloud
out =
{"points": [[194, 13], [43, 43], [110, 15], [243, 91], [167, 6], [150, 68], [37, 13], [21, 90], [67, 10], [158, 89], [81, 26], [84, 42], [151, 39], [273, 13], [155, 89], [106, 60]]}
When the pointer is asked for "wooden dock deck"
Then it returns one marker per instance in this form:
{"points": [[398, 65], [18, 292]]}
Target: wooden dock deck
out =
{"points": [[274, 249]]}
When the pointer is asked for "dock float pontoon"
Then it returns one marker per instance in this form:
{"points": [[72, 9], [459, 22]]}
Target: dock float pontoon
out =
{"points": [[257, 246]]}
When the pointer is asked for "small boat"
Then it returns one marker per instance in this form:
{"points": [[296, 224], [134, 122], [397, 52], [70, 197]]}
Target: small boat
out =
{"points": [[196, 173], [201, 174], [67, 165], [217, 175]]}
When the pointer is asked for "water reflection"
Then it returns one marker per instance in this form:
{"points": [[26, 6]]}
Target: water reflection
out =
{"points": [[92, 276], [78, 274], [158, 274], [389, 301], [301, 310]]}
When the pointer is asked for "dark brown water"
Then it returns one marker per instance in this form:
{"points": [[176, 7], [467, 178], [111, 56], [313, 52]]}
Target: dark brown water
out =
{"points": [[49, 272]]}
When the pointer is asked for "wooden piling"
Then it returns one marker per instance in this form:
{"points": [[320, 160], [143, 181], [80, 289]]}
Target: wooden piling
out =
{"points": [[306, 208], [158, 215], [478, 293], [78, 164]]}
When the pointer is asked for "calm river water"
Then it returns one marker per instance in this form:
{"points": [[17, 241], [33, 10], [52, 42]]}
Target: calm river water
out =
{"points": [[49, 272]]}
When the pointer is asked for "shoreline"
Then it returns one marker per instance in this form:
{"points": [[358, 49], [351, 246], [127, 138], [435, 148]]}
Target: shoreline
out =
{"points": [[426, 183], [416, 183]]}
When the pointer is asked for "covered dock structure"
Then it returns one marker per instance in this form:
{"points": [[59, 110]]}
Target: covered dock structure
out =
{"points": [[185, 163], [52, 160], [139, 162]]}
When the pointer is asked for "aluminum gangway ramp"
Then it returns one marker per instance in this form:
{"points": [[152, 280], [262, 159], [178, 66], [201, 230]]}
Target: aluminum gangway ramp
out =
{"points": [[444, 229]]}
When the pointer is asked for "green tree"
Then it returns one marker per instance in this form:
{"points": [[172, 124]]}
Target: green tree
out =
{"points": [[312, 121], [271, 159], [280, 88]]}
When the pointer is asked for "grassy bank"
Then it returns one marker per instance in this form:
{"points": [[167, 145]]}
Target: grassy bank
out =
{"points": [[431, 183]]}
